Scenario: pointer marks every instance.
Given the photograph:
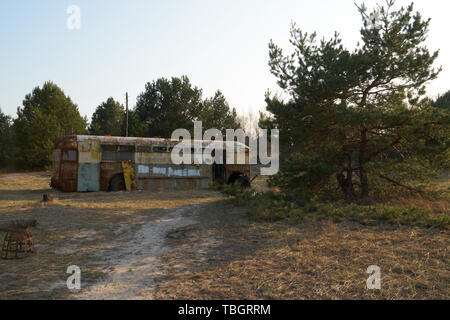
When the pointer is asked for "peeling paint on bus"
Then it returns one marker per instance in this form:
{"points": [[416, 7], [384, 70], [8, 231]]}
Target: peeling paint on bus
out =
{"points": [[86, 167], [158, 170]]}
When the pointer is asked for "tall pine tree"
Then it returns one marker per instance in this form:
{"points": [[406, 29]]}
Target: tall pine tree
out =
{"points": [[47, 115], [166, 105], [6, 142], [358, 115], [218, 114], [107, 119]]}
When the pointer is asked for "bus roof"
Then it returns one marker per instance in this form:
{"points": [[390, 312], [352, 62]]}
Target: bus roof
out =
{"points": [[141, 141]]}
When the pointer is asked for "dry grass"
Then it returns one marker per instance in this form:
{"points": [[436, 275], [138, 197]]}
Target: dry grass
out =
{"points": [[223, 256], [437, 199], [260, 184], [435, 205], [322, 261], [76, 228]]}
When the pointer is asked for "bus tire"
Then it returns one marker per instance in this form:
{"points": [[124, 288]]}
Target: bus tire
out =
{"points": [[243, 180], [240, 178], [117, 183]]}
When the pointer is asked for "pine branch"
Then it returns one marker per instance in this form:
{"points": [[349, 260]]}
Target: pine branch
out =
{"points": [[399, 184]]}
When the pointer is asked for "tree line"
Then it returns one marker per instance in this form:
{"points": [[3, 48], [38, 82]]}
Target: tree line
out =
{"points": [[356, 119], [47, 114]]}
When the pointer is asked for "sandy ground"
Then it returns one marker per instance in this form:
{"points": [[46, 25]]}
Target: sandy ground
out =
{"points": [[115, 238], [134, 261]]}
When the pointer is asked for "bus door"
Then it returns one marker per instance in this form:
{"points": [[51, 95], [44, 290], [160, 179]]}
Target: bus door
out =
{"points": [[68, 173], [219, 173]]}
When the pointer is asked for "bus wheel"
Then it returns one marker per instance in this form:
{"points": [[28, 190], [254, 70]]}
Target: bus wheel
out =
{"points": [[117, 183], [244, 181]]}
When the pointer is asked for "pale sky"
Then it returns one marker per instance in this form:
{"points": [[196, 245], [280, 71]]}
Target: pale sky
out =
{"points": [[223, 45]]}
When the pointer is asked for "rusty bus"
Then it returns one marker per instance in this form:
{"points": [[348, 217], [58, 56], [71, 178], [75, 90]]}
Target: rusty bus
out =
{"points": [[94, 163]]}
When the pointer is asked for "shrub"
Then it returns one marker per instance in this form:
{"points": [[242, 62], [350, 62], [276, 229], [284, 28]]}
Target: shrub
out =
{"points": [[270, 206], [273, 207]]}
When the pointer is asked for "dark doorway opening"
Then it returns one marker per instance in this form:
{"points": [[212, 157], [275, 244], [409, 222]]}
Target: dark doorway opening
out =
{"points": [[219, 173]]}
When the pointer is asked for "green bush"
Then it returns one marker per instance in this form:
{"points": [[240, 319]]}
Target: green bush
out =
{"points": [[215, 185], [232, 189], [272, 207], [303, 176]]}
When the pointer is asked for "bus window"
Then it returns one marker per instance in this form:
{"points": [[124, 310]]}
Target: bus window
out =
{"points": [[126, 148], [69, 155], [109, 152], [126, 152], [126, 156], [159, 149], [143, 149]]}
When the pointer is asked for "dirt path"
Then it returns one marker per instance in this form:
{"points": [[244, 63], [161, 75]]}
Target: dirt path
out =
{"points": [[134, 263], [116, 239]]}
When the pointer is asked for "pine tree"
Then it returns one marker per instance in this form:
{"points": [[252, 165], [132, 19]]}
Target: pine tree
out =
{"points": [[166, 105], [443, 101], [359, 114], [47, 115], [107, 119], [218, 114], [5, 141]]}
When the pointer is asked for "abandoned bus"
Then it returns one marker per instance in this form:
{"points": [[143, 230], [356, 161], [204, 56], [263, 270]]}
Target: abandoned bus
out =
{"points": [[93, 163]]}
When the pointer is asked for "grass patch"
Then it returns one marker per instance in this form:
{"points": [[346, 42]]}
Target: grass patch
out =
{"points": [[84, 229], [385, 213], [430, 212], [317, 260]]}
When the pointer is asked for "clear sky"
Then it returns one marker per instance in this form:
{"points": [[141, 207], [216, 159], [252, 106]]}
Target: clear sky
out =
{"points": [[122, 44]]}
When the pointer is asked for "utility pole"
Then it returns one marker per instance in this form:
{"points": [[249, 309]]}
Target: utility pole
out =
{"points": [[126, 128]]}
